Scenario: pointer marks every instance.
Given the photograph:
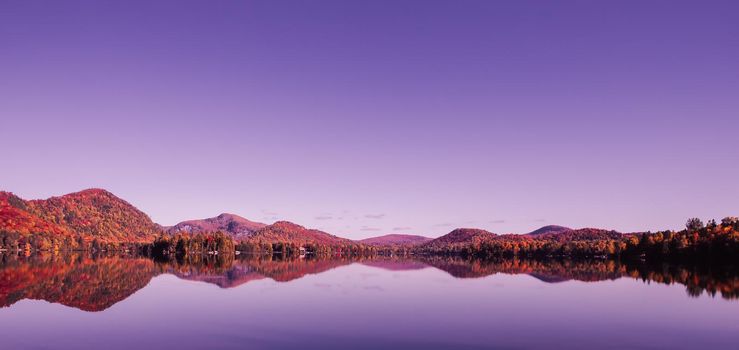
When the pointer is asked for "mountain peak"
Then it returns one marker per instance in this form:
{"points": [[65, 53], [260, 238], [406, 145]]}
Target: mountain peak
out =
{"points": [[287, 225], [90, 192], [93, 190], [233, 224], [288, 231], [549, 229], [463, 235], [582, 234]]}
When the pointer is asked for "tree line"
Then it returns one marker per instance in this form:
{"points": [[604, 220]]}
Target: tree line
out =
{"points": [[698, 241]]}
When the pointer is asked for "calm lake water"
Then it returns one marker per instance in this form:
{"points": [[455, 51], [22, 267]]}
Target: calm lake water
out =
{"points": [[263, 303]]}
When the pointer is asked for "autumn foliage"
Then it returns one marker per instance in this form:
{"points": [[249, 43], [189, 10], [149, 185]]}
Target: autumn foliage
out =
{"points": [[83, 220], [97, 220], [697, 242]]}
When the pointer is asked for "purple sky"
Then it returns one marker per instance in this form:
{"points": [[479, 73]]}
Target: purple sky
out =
{"points": [[364, 118]]}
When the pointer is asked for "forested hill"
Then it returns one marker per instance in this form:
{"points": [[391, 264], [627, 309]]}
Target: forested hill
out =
{"points": [[93, 214], [96, 219], [285, 231], [232, 224]]}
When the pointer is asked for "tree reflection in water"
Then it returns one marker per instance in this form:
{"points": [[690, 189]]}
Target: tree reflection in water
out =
{"points": [[97, 282]]}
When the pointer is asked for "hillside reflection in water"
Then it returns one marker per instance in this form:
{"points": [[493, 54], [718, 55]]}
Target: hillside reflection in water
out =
{"points": [[95, 283], [265, 302]]}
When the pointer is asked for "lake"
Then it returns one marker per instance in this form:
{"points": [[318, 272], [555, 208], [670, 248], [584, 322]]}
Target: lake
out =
{"points": [[119, 302]]}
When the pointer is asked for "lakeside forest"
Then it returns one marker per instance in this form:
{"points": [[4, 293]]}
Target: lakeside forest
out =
{"points": [[96, 220]]}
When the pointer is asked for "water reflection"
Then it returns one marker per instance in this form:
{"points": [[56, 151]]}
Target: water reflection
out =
{"points": [[85, 283], [95, 283]]}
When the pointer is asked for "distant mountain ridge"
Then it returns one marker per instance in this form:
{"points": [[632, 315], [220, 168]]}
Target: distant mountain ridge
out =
{"points": [[459, 236], [462, 235], [235, 225], [468, 236], [549, 229], [285, 231], [98, 214], [582, 234]]}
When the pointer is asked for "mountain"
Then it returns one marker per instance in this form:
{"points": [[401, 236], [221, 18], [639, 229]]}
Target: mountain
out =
{"points": [[562, 234], [583, 234], [92, 214], [285, 231], [235, 225], [549, 229], [463, 235], [457, 238], [395, 239]]}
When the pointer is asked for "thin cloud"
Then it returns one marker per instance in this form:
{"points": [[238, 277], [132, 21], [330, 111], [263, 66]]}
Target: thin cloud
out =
{"points": [[402, 228], [374, 216], [367, 228], [323, 217], [446, 224], [268, 212], [497, 221]]}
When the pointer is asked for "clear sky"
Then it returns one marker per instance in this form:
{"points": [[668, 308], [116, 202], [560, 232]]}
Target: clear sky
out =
{"points": [[369, 117]]}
